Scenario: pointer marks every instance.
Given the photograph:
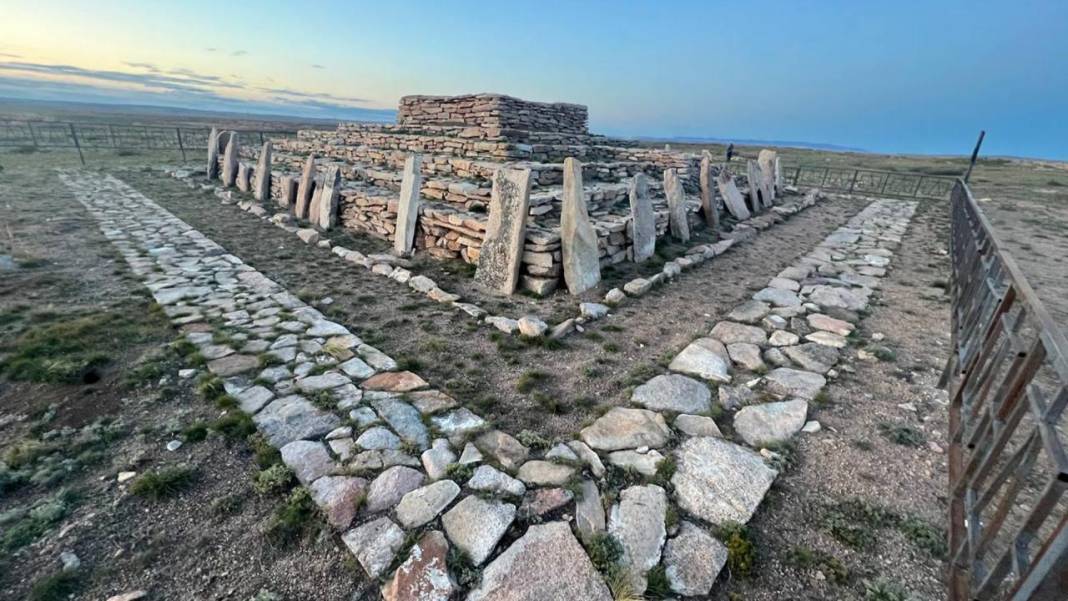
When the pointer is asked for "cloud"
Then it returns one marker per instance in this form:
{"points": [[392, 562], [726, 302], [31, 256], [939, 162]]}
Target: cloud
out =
{"points": [[146, 66], [318, 67], [238, 53], [9, 55], [177, 88], [211, 49]]}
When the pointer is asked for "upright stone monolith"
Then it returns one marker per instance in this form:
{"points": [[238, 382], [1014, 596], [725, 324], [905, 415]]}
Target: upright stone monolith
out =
{"points": [[757, 201], [642, 219], [732, 196], [262, 190], [287, 196], [213, 154], [676, 201], [506, 230], [578, 239], [766, 160], [244, 176], [229, 172], [304, 189], [408, 205], [780, 186], [708, 195], [326, 207]]}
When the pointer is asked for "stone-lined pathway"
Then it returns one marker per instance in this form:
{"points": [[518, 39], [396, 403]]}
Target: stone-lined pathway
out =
{"points": [[382, 453]]}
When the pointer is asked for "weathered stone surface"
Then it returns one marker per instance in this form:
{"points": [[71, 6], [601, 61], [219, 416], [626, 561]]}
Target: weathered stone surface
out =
{"points": [[757, 195], [405, 420], [705, 358], [356, 368], [785, 284], [769, 424], [261, 190], [458, 424], [678, 222], [326, 207], [390, 486], [767, 160], [729, 332], [424, 575], [578, 240], [337, 497], [543, 501], [749, 312], [719, 481], [545, 473], [394, 381], [674, 393], [424, 504], [476, 525], [819, 321], [429, 402], [374, 544], [642, 219], [643, 463], [213, 154], [378, 438], [626, 428], [708, 197], [827, 339], [293, 418], [637, 522], [490, 479], [783, 338], [785, 382], [308, 460], [812, 356], [253, 399], [437, 458], [778, 297], [231, 365], [732, 197], [593, 310], [408, 205], [836, 297], [531, 326], [589, 511], [305, 188], [697, 425], [545, 564], [587, 456], [503, 448], [502, 246], [561, 451], [637, 286], [230, 160], [322, 382], [746, 355], [693, 560]]}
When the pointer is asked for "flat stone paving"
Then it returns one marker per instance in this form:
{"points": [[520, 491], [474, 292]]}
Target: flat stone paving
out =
{"points": [[378, 447]]}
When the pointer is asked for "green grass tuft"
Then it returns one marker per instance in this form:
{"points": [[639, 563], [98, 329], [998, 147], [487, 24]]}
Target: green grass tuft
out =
{"points": [[164, 483]]}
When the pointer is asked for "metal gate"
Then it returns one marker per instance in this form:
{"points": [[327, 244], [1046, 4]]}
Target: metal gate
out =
{"points": [[871, 181]]}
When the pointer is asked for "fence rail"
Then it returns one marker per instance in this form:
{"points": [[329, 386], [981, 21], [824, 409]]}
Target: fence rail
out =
{"points": [[1008, 385], [871, 181], [79, 136]]}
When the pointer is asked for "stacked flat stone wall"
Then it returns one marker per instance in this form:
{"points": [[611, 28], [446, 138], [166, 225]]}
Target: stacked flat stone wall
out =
{"points": [[493, 110]]}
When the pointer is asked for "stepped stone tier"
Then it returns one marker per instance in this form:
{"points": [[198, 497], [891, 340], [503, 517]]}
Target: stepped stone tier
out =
{"points": [[462, 142]]}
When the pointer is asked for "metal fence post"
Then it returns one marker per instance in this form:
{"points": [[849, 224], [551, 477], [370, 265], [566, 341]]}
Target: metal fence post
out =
{"points": [[975, 155], [852, 184], [178, 132], [74, 134], [33, 135]]}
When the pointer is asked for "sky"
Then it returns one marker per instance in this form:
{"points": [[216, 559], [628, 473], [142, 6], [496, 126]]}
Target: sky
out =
{"points": [[900, 76]]}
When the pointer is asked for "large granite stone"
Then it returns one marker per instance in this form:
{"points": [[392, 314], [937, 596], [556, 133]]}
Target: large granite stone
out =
{"points": [[489, 479], [502, 245], [674, 393], [626, 428], [408, 205], [545, 473], [811, 356], [785, 382], [637, 522], [719, 481], [424, 504], [261, 190], [424, 575], [770, 423], [709, 207], [642, 219], [337, 497], [589, 511], [503, 448], [476, 525], [308, 460], [230, 160], [326, 207], [305, 188], [693, 560], [705, 358], [374, 544], [732, 197], [578, 240], [729, 332], [678, 222], [293, 418], [545, 564], [405, 420], [390, 486]]}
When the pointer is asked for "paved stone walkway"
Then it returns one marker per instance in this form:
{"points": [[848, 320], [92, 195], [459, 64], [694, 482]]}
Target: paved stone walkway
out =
{"points": [[382, 453]]}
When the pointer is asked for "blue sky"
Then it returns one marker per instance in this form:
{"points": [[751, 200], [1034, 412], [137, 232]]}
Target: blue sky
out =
{"points": [[901, 76]]}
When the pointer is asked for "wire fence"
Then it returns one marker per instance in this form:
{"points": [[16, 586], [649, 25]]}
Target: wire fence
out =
{"points": [[109, 136], [875, 182]]}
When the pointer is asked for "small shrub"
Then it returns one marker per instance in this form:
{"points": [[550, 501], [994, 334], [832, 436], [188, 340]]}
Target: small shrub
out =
{"points": [[533, 440], [665, 470], [460, 472], [276, 478], [529, 379], [164, 483], [295, 519], [234, 425], [604, 551], [228, 504], [55, 587], [461, 567], [657, 584], [741, 552], [805, 559], [924, 536], [902, 434], [21, 529], [195, 433], [266, 455], [884, 590]]}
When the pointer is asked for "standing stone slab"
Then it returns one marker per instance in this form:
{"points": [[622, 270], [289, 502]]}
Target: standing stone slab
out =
{"points": [[262, 190], [767, 160], [287, 196], [756, 192], [327, 206], [304, 189], [637, 522], [502, 247], [732, 197], [642, 219], [578, 240], [408, 205], [213, 154], [708, 196], [233, 150], [546, 564], [244, 175], [719, 481], [676, 201]]}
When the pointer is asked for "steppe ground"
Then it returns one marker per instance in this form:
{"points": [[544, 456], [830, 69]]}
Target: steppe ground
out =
{"points": [[859, 513]]}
